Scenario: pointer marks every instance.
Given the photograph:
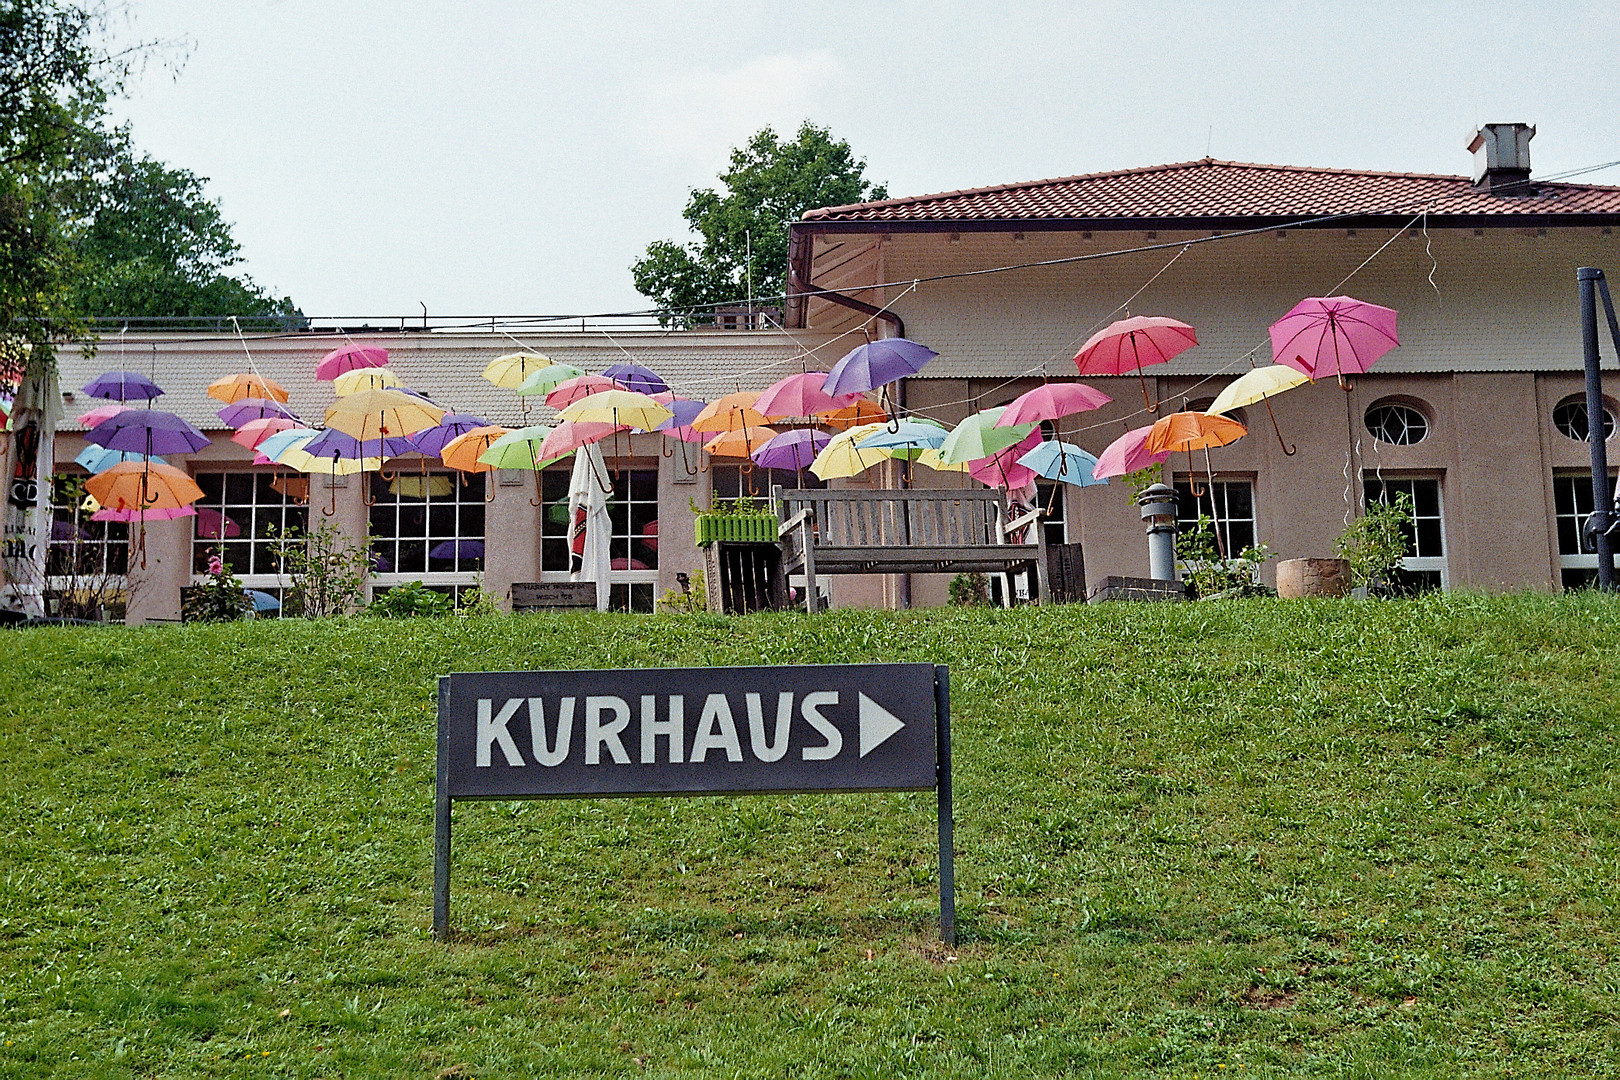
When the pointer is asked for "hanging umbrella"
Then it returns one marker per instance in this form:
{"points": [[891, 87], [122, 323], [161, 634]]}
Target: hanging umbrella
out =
{"points": [[243, 385], [157, 513], [978, 437], [624, 407], [841, 457], [518, 449], [741, 443], [800, 395], [794, 449], [295, 488], [850, 416], [932, 460], [679, 425], [730, 413], [1050, 401], [99, 459], [462, 452], [547, 379], [430, 441], [869, 366], [571, 390], [240, 412], [1128, 453], [1062, 461], [1001, 469], [1188, 431], [1261, 384], [143, 486], [637, 378], [570, 435], [509, 371], [457, 549], [122, 386], [352, 382], [147, 431], [1333, 335], [275, 445], [590, 530], [213, 525], [435, 486], [349, 358], [254, 432], [100, 414], [373, 413], [1133, 344], [906, 439], [335, 441]]}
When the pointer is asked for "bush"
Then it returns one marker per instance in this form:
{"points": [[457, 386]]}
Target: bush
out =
{"points": [[1375, 544], [694, 599], [970, 590], [1210, 576], [413, 600], [220, 598]]}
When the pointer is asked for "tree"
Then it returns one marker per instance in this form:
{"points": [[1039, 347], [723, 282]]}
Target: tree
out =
{"points": [[769, 184]]}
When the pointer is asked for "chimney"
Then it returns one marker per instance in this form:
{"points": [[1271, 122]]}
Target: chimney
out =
{"points": [[1502, 158]]}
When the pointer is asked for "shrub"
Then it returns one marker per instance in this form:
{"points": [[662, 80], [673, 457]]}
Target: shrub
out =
{"points": [[412, 600], [1375, 543], [970, 590], [220, 598], [1209, 576]]}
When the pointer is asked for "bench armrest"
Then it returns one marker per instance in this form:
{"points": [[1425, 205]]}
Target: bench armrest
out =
{"points": [[803, 516], [1028, 519]]}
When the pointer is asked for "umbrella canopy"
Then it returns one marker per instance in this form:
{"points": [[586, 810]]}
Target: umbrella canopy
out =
{"points": [[869, 366], [800, 395], [122, 386], [99, 459], [457, 549], [373, 413], [147, 431], [430, 441], [463, 451], [730, 413], [213, 525], [415, 486], [547, 379], [794, 449], [1001, 469], [625, 407], [1062, 461], [352, 382], [263, 601], [1134, 343], [100, 414], [1050, 401], [1257, 385], [349, 358], [156, 513], [241, 411], [932, 460], [1187, 431], [907, 439], [679, 425], [508, 372], [740, 443], [275, 445], [333, 441], [519, 449], [570, 435], [571, 390], [639, 379], [1128, 453], [978, 437], [850, 416], [841, 457], [1333, 335], [143, 486], [243, 385], [254, 432]]}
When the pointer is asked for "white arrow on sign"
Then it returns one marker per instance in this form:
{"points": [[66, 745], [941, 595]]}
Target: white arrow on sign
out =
{"points": [[877, 724]]}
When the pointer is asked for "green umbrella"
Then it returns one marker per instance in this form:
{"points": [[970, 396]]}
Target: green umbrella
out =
{"points": [[544, 381], [978, 437], [517, 450]]}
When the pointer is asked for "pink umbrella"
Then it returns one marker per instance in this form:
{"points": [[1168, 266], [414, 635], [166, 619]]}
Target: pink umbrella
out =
{"points": [[1133, 344], [569, 391], [1333, 335], [350, 358], [254, 432], [801, 395], [166, 513], [570, 435], [101, 413], [1050, 401], [1127, 453], [1001, 469]]}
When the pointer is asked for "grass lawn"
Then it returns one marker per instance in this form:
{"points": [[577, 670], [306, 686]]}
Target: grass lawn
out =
{"points": [[1256, 838]]}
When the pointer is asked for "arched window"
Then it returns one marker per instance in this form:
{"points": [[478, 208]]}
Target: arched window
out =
{"points": [[1397, 423], [1569, 417]]}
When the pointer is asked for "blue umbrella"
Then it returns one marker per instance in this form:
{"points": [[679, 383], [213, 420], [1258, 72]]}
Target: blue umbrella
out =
{"points": [[1062, 461], [263, 601], [98, 458], [920, 434]]}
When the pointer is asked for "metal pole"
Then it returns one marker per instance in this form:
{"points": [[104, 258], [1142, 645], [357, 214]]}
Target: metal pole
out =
{"points": [[441, 820], [1614, 335], [947, 836], [1589, 277]]}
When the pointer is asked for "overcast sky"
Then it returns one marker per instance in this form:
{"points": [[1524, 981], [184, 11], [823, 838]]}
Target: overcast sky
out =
{"points": [[511, 157]]}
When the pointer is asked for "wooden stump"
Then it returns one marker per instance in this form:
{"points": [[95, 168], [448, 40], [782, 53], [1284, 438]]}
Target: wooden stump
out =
{"points": [[1313, 577]]}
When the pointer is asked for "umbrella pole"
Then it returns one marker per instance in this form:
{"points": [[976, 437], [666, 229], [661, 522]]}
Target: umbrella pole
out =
{"points": [[1289, 450], [1333, 328], [539, 495], [1214, 513], [1136, 350]]}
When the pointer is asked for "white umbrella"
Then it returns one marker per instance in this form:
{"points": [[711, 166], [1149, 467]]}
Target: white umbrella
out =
{"points": [[587, 513]]}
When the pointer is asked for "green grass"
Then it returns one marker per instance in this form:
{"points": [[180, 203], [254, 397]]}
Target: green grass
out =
{"points": [[1249, 839]]}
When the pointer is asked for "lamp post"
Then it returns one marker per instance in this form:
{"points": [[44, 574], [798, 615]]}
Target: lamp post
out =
{"points": [[1158, 504]]}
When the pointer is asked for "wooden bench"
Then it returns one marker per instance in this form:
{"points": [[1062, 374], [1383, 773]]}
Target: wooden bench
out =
{"points": [[947, 531]]}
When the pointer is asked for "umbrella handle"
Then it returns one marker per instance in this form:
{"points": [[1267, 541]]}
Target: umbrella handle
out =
{"points": [[1152, 406], [333, 511], [539, 496], [1289, 450], [686, 464], [1345, 384], [489, 486]]}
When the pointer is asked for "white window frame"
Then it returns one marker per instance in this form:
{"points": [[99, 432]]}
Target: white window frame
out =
{"points": [[266, 582], [615, 577], [1419, 563], [1582, 560], [455, 580]]}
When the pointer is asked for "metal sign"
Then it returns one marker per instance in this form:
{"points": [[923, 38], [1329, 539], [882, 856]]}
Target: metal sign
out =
{"points": [[693, 731]]}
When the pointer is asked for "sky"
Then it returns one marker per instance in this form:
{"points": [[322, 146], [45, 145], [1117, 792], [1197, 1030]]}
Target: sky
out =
{"points": [[514, 158]]}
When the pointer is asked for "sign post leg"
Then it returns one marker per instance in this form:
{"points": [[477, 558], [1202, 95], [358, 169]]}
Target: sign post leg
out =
{"points": [[947, 838], [441, 822]]}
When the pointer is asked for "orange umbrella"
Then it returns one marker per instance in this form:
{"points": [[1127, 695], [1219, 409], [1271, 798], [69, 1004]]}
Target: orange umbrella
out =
{"points": [[862, 412], [143, 485], [730, 413], [462, 452], [1188, 431], [233, 388], [740, 443]]}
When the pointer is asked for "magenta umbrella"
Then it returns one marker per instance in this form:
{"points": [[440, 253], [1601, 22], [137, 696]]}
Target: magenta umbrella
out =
{"points": [[1128, 453], [350, 358], [1333, 335], [794, 449], [1133, 344], [1050, 401], [866, 367], [800, 395], [213, 525], [1001, 469], [166, 513]]}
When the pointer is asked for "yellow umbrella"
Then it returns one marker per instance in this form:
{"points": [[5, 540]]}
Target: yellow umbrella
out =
{"points": [[421, 487], [740, 443], [233, 388], [352, 382], [730, 413], [841, 457], [377, 414], [509, 371], [327, 465], [618, 407], [1258, 385], [931, 458]]}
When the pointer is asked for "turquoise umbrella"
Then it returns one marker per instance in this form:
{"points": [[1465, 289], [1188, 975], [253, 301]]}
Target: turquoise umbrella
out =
{"points": [[1062, 461]]}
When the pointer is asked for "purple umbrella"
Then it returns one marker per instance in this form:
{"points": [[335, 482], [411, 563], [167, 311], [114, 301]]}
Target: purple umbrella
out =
{"points": [[122, 386], [451, 549], [875, 363], [334, 442], [679, 424], [794, 449], [635, 377], [430, 441], [64, 531], [147, 431], [248, 409]]}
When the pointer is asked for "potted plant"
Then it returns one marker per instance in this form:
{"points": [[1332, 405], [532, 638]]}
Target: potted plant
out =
{"points": [[740, 520]]}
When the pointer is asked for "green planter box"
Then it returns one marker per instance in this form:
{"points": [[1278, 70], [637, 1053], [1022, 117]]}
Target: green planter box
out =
{"points": [[748, 529]]}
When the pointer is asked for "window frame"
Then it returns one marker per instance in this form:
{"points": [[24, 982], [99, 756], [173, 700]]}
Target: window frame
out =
{"points": [[1574, 567], [628, 582], [1418, 564], [451, 581], [1183, 483], [277, 583]]}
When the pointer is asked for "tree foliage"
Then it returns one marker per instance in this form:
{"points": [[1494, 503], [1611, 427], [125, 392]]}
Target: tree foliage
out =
{"points": [[743, 227]]}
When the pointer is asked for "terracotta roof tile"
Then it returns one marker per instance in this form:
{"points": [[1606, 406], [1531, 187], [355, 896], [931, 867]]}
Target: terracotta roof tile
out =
{"points": [[1227, 189]]}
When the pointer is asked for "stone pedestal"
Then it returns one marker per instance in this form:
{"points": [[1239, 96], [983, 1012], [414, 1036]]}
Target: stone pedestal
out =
{"points": [[1313, 577]]}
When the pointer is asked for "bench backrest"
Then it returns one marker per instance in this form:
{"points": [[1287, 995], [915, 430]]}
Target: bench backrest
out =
{"points": [[950, 517]]}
